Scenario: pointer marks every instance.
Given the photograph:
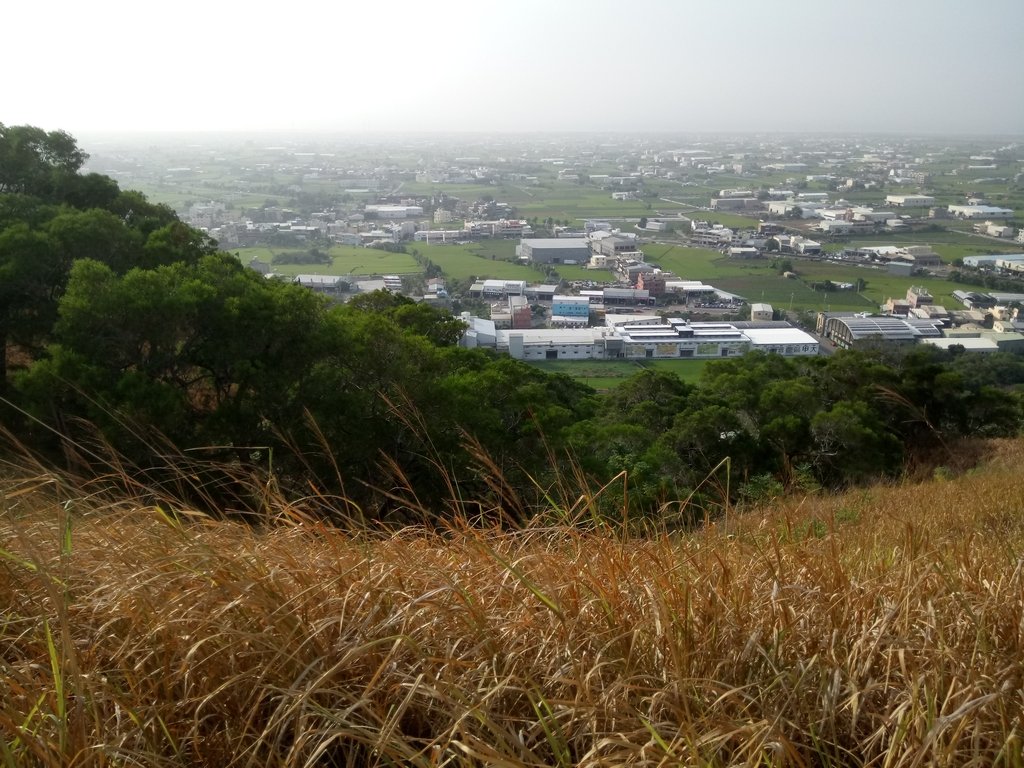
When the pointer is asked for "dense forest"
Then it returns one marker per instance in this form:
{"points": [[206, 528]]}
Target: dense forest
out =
{"points": [[130, 341]]}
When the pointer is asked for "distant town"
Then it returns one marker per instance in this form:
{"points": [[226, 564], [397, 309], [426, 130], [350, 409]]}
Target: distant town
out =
{"points": [[612, 247]]}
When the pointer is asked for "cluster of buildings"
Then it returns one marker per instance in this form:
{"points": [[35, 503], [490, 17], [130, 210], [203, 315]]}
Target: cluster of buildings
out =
{"points": [[903, 260], [986, 324], [639, 337]]}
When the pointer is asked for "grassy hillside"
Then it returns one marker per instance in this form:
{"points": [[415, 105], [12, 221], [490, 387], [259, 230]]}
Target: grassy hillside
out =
{"points": [[881, 626]]}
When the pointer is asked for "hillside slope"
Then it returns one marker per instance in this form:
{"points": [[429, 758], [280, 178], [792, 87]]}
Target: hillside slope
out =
{"points": [[883, 626]]}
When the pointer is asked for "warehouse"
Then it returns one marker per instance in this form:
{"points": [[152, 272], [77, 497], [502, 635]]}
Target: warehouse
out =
{"points": [[980, 212], [849, 332], [555, 250], [789, 342], [910, 201], [556, 344], [634, 337]]}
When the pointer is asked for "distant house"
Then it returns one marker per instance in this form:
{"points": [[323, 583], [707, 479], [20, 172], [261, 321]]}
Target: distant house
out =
{"points": [[742, 252], [735, 204], [616, 245], [652, 282], [918, 296], [995, 230], [920, 256]]}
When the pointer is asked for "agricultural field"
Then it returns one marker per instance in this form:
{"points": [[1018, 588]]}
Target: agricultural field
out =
{"points": [[560, 201], [756, 280], [346, 260], [731, 220], [950, 244], [480, 260]]}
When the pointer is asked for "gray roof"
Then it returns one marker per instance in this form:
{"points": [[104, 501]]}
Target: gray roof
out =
{"points": [[556, 242], [889, 327]]}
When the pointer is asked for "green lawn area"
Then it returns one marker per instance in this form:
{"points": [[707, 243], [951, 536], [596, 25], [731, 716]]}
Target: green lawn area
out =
{"points": [[599, 374], [687, 370], [606, 374], [347, 260], [731, 220], [489, 259]]}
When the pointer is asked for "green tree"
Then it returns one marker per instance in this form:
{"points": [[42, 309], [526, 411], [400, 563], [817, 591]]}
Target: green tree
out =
{"points": [[28, 266], [204, 354], [36, 162], [437, 325]]}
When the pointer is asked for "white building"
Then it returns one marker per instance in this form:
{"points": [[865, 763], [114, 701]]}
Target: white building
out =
{"points": [[980, 212], [634, 337], [395, 211], [835, 226], [910, 201], [439, 235]]}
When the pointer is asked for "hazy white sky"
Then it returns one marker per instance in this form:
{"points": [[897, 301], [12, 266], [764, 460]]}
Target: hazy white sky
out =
{"points": [[524, 65]]}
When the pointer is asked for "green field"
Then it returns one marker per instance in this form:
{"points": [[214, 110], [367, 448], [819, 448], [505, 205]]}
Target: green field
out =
{"points": [[949, 244], [487, 259], [606, 374], [347, 260], [732, 220], [558, 200], [755, 280]]}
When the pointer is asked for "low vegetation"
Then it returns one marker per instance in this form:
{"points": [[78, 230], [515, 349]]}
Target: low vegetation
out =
{"points": [[877, 627]]}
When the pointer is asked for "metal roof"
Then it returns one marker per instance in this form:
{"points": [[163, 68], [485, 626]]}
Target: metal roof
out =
{"points": [[771, 336], [556, 242], [889, 327]]}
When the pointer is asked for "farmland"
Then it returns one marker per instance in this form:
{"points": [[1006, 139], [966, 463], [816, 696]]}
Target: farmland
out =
{"points": [[557, 200], [345, 260], [756, 280], [950, 244], [490, 258]]}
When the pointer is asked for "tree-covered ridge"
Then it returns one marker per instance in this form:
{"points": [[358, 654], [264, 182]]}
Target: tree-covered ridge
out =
{"points": [[51, 215], [134, 337], [764, 422]]}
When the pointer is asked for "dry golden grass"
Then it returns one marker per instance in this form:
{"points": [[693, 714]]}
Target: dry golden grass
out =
{"points": [[882, 627]]}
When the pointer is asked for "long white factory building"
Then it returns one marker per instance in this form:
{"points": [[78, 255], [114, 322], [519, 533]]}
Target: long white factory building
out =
{"points": [[633, 337]]}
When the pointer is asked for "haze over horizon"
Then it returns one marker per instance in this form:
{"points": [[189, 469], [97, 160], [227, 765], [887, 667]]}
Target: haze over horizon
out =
{"points": [[456, 66]]}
